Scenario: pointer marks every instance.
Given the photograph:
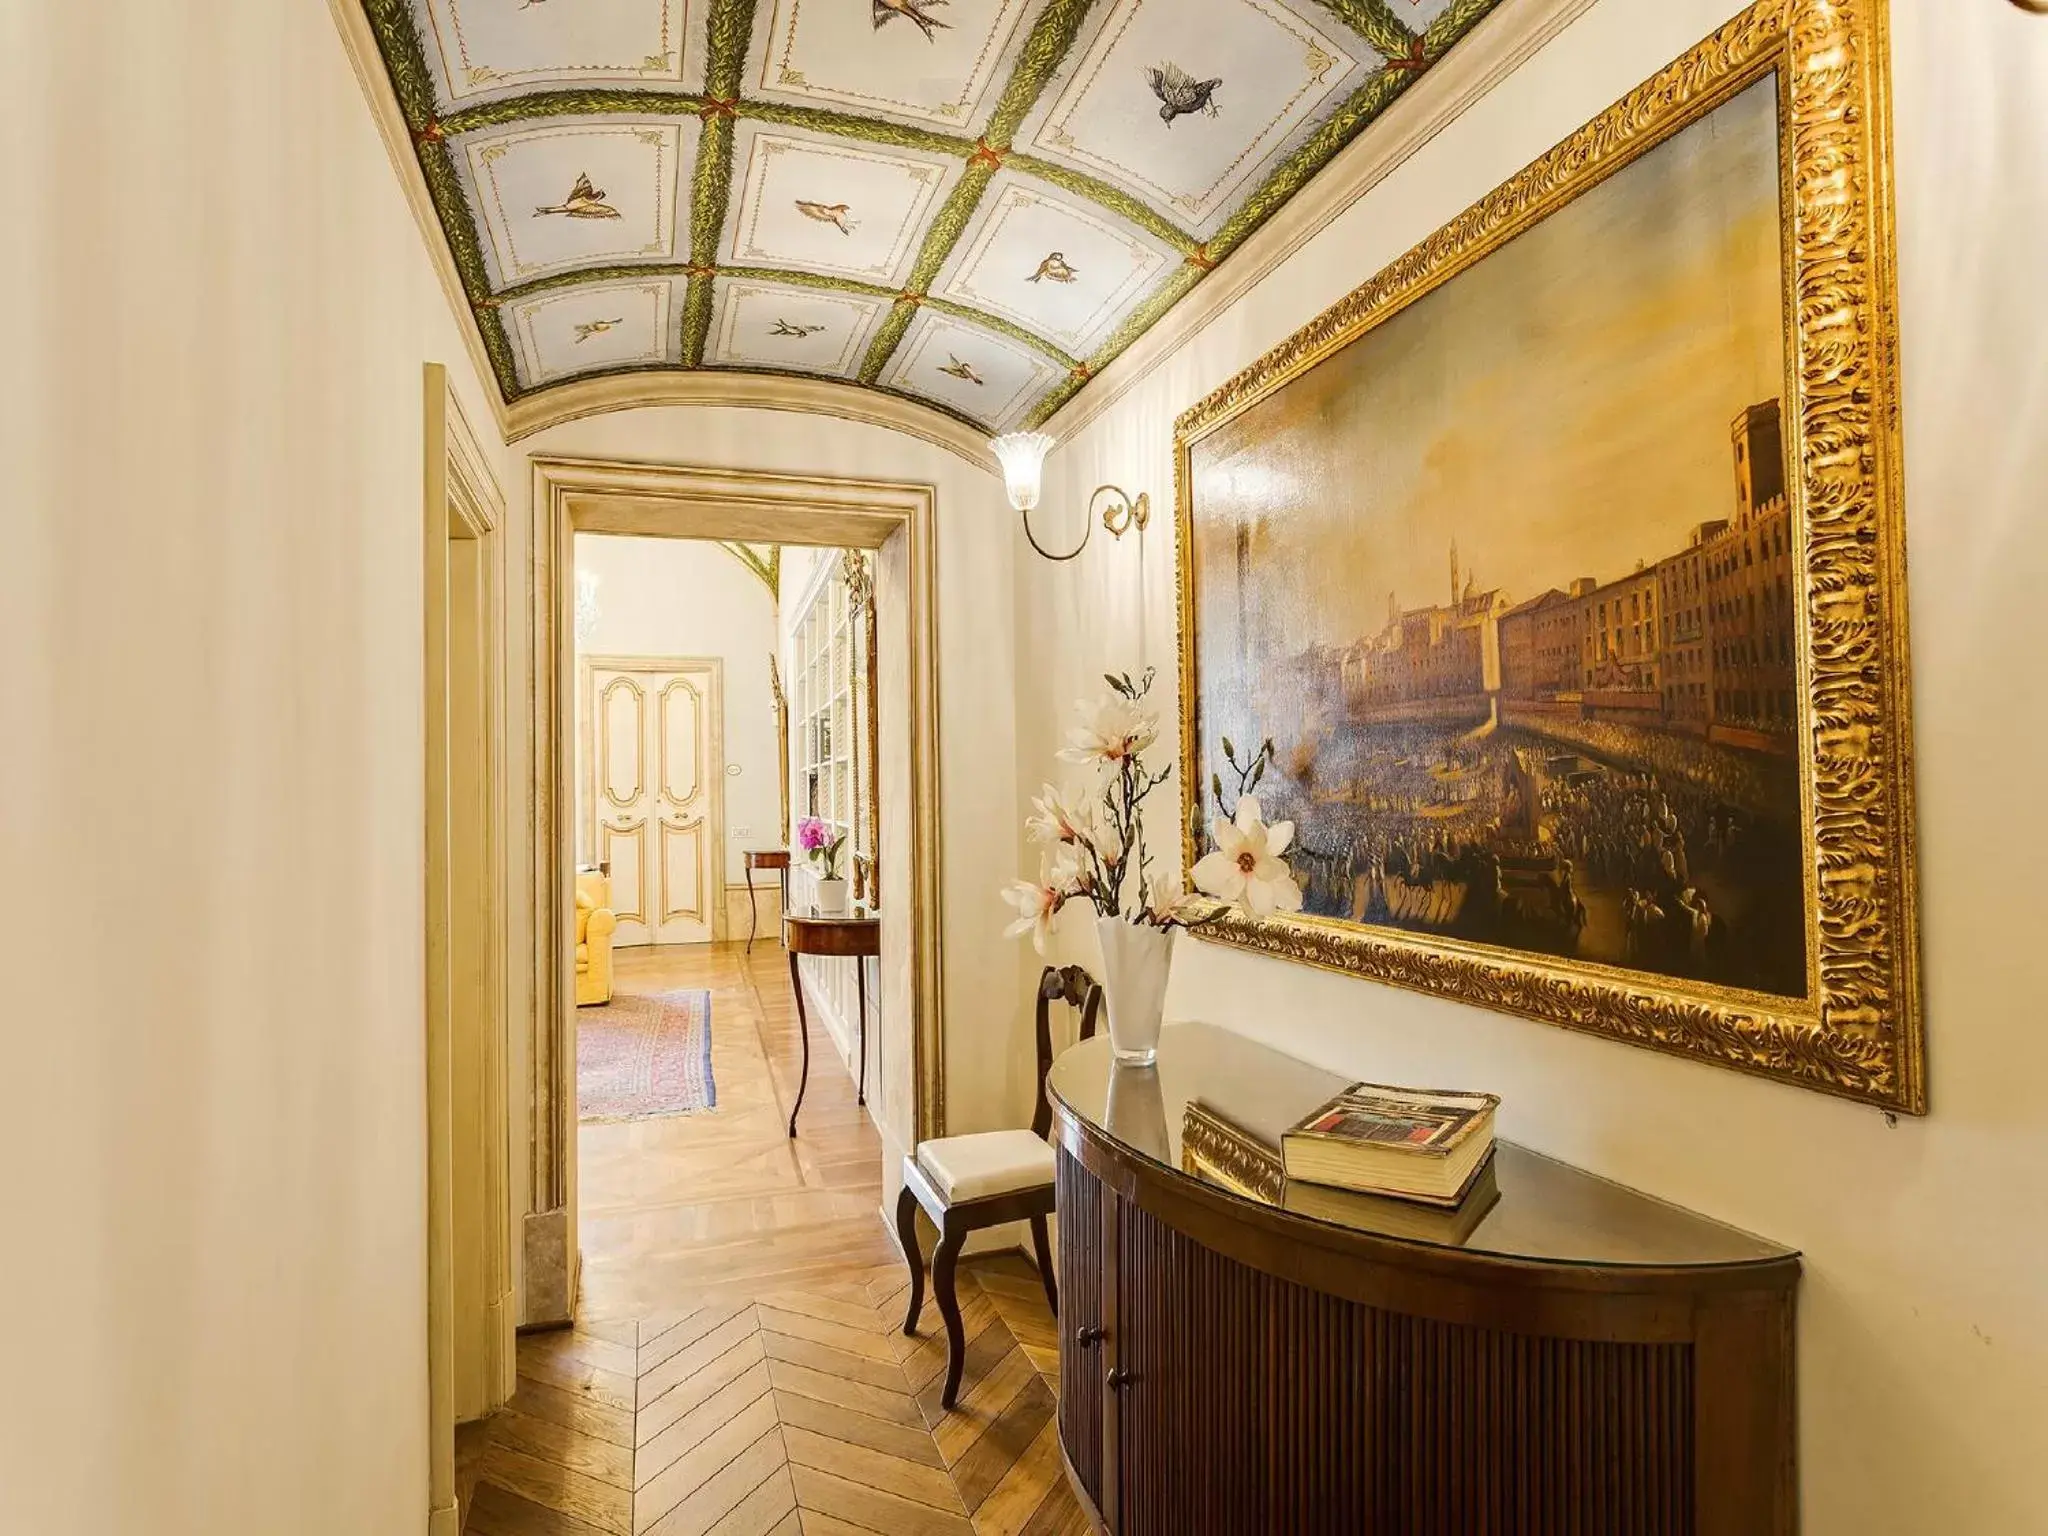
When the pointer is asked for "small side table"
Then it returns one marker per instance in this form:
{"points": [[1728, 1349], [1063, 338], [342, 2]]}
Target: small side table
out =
{"points": [[856, 938], [776, 859]]}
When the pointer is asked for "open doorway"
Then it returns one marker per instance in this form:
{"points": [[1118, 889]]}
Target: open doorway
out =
{"points": [[639, 724], [725, 712]]}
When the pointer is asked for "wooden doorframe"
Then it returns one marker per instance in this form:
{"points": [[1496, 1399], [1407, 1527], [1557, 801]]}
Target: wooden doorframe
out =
{"points": [[586, 715], [461, 501], [572, 495]]}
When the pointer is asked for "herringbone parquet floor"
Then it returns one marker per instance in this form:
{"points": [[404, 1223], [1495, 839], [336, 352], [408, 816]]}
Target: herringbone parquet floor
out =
{"points": [[739, 1368]]}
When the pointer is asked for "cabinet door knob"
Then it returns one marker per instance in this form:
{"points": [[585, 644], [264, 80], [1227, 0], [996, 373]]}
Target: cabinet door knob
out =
{"points": [[1119, 1378], [1088, 1334]]}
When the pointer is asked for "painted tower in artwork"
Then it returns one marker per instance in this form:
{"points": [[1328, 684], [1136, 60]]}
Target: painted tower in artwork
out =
{"points": [[1759, 434]]}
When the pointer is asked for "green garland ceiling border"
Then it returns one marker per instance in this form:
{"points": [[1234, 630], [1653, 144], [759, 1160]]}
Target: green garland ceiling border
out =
{"points": [[1460, 17], [1052, 37], [1375, 21], [766, 566], [729, 29], [412, 83]]}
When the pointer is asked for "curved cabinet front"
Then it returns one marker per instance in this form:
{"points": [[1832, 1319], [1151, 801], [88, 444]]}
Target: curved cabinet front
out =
{"points": [[1230, 1366]]}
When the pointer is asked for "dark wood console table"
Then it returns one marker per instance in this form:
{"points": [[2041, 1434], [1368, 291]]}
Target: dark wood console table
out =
{"points": [[1588, 1360], [857, 937]]}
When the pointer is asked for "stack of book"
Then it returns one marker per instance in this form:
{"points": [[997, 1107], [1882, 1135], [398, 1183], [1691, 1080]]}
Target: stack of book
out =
{"points": [[1410, 1162]]}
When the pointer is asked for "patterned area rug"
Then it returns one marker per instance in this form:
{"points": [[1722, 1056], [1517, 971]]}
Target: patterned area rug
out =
{"points": [[642, 1058]]}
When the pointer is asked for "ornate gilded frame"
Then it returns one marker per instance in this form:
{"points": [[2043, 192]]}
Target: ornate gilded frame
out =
{"points": [[1858, 1032]]}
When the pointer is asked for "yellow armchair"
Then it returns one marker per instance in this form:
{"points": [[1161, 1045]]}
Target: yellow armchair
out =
{"points": [[594, 925]]}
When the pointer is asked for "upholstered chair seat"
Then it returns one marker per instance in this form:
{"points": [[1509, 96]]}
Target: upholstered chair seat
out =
{"points": [[990, 1163]]}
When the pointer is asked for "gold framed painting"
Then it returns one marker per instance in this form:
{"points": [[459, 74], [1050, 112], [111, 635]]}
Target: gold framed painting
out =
{"points": [[1552, 584]]}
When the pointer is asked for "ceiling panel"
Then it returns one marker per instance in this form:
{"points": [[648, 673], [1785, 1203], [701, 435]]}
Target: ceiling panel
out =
{"points": [[977, 203], [1187, 118], [982, 375], [923, 61], [1056, 264], [594, 328], [824, 203], [569, 193], [782, 328], [482, 49]]}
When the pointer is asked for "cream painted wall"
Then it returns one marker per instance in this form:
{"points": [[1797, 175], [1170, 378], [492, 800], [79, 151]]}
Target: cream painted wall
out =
{"points": [[211, 982], [1924, 1331], [984, 975], [687, 597]]}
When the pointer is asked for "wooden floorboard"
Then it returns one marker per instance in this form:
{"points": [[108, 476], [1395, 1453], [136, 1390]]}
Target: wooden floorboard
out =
{"points": [[738, 1367]]}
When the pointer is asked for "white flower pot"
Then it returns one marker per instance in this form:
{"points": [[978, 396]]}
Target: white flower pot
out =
{"points": [[1135, 960], [831, 897]]}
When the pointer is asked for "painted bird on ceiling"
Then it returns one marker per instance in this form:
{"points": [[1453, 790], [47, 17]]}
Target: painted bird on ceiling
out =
{"points": [[1179, 94], [835, 214], [583, 202], [918, 11], [1055, 267], [586, 329], [785, 328], [960, 370]]}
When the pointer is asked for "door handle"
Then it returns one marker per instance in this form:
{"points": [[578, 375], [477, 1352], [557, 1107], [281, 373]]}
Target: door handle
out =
{"points": [[1119, 1378], [1088, 1334]]}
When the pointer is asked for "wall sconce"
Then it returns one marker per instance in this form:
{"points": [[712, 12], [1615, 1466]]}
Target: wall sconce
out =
{"points": [[1022, 455]]}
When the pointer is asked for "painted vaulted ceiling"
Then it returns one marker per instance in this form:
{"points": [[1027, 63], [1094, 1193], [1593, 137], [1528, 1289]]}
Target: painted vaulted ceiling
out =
{"points": [[973, 203]]}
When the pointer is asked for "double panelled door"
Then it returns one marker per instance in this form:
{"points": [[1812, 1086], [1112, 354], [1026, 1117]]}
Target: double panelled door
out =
{"points": [[653, 809]]}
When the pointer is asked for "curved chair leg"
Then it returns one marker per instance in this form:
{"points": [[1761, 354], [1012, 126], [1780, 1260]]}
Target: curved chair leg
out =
{"points": [[944, 1258], [906, 1234], [1043, 1244]]}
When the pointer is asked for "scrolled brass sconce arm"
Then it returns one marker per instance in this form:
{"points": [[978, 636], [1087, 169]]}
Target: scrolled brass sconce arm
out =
{"points": [[1123, 512], [1086, 529]]}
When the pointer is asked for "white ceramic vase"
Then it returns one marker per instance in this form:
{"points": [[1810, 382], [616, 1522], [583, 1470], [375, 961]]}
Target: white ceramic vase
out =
{"points": [[831, 897], [1135, 960]]}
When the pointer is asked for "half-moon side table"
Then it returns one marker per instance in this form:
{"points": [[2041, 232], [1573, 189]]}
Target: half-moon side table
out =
{"points": [[776, 859], [1564, 1357], [855, 938]]}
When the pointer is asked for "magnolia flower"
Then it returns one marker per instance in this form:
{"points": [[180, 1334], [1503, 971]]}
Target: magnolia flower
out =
{"points": [[1246, 866], [1073, 871], [1059, 881], [1056, 821], [1178, 909], [1110, 731]]}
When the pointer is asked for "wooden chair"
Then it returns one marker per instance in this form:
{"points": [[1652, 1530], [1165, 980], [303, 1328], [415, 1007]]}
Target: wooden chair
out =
{"points": [[966, 1183]]}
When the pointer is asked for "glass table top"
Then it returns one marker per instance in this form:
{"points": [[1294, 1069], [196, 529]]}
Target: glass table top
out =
{"points": [[1530, 1207]]}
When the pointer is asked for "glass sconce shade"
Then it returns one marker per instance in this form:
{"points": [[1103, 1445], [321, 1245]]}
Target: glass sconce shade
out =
{"points": [[1022, 455]]}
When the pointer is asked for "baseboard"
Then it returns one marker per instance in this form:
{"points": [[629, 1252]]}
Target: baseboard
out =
{"points": [[548, 1268], [445, 1521]]}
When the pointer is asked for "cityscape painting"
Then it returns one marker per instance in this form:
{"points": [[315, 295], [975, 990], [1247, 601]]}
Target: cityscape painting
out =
{"points": [[1510, 584], [1551, 583]]}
